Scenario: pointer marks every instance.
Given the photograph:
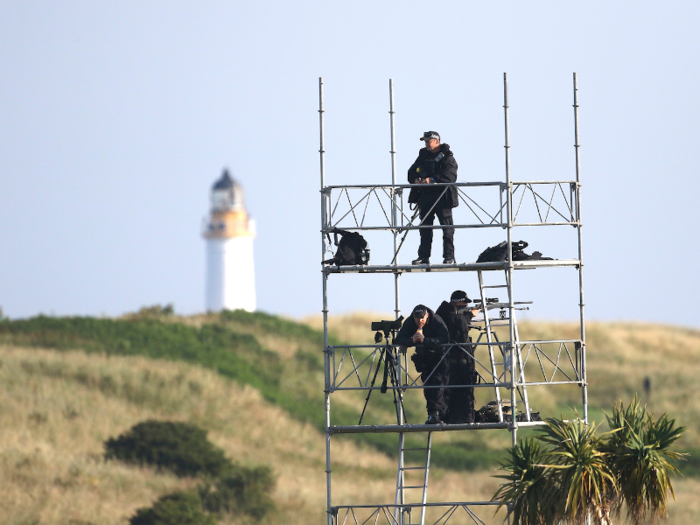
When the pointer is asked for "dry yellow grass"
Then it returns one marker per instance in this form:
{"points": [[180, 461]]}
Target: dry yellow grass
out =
{"points": [[59, 408], [621, 355], [353, 328], [56, 410]]}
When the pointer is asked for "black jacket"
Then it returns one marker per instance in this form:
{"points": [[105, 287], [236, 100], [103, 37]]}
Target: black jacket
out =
{"points": [[457, 319], [435, 332], [440, 166]]}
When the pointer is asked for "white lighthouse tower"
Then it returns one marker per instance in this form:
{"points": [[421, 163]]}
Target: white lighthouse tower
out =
{"points": [[229, 234]]}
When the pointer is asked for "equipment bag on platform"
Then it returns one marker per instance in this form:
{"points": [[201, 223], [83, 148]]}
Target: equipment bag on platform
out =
{"points": [[352, 249], [500, 253]]}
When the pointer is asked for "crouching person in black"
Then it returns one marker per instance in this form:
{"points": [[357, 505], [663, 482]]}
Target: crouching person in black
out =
{"points": [[426, 331], [457, 316]]}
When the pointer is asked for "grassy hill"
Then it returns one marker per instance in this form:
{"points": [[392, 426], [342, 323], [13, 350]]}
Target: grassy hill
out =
{"points": [[255, 382]]}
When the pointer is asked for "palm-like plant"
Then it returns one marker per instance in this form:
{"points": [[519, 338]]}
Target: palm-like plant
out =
{"points": [[527, 489], [640, 459], [579, 470], [567, 473]]}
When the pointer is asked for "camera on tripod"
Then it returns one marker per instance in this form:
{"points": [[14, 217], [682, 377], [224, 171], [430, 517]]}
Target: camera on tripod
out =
{"points": [[391, 361], [385, 327]]}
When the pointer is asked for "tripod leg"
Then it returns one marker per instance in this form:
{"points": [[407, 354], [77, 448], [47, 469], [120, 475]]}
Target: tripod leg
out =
{"points": [[379, 365], [397, 391]]}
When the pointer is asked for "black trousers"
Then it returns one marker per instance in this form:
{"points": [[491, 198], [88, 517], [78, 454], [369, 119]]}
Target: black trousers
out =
{"points": [[460, 400], [444, 215], [435, 374]]}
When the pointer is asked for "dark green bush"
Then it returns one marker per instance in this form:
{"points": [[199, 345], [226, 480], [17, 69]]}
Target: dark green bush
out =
{"points": [[180, 508], [245, 490], [154, 312], [178, 447]]}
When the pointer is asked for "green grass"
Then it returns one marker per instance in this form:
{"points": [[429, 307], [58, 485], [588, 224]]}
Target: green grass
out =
{"points": [[229, 343], [236, 356], [690, 466]]}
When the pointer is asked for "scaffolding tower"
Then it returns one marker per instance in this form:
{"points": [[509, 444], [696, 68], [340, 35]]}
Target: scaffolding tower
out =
{"points": [[508, 365]]}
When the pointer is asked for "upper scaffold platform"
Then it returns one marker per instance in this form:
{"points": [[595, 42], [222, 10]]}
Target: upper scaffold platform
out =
{"points": [[458, 267], [381, 208], [364, 207]]}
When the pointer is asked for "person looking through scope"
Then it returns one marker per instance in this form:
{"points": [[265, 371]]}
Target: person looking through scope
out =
{"points": [[460, 359], [435, 164], [425, 330]]}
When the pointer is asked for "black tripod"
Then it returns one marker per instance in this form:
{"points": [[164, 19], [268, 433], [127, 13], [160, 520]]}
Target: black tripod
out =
{"points": [[391, 358]]}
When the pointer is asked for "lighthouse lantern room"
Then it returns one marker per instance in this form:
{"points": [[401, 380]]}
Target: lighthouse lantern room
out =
{"points": [[229, 233]]}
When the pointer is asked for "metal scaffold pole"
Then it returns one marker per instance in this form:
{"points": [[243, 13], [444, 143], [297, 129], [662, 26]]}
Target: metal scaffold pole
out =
{"points": [[577, 146], [394, 205], [509, 269], [400, 498], [326, 355]]}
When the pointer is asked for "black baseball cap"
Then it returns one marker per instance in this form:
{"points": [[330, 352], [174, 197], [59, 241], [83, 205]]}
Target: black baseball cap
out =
{"points": [[420, 311], [459, 296], [430, 135]]}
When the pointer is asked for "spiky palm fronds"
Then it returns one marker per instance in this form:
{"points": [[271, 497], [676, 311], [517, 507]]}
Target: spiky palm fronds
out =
{"points": [[627, 421], [579, 470], [567, 473], [641, 460], [527, 489]]}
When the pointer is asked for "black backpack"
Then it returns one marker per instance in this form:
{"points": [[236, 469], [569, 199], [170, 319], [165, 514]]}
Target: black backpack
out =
{"points": [[489, 413], [352, 249], [500, 253]]}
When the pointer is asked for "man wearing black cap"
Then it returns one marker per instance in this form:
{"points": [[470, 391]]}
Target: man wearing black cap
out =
{"points": [[426, 331], [435, 164], [457, 316]]}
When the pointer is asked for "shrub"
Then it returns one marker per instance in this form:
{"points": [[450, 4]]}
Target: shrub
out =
{"points": [[180, 508], [641, 459], [246, 490], [569, 474], [527, 488], [179, 447], [154, 312]]}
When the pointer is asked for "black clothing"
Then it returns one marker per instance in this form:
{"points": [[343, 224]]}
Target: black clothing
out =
{"points": [[434, 333], [433, 370], [441, 167], [444, 216], [457, 319], [461, 366]]}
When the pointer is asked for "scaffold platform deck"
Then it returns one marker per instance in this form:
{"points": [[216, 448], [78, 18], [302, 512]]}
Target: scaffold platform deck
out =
{"points": [[458, 267], [378, 429]]}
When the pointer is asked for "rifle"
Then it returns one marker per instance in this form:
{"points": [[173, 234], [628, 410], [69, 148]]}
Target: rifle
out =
{"points": [[493, 304]]}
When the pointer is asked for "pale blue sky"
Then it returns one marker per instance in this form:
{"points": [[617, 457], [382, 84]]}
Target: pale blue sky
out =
{"points": [[116, 118]]}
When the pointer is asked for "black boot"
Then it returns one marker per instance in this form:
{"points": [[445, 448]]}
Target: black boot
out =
{"points": [[434, 418]]}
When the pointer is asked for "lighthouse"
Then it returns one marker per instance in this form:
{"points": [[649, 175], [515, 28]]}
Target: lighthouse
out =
{"points": [[229, 233]]}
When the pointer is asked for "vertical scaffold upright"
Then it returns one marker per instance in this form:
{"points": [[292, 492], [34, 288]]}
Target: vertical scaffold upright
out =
{"points": [[512, 365]]}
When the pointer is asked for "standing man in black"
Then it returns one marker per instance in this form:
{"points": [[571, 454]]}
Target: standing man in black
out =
{"points": [[426, 331], [457, 316], [435, 164]]}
